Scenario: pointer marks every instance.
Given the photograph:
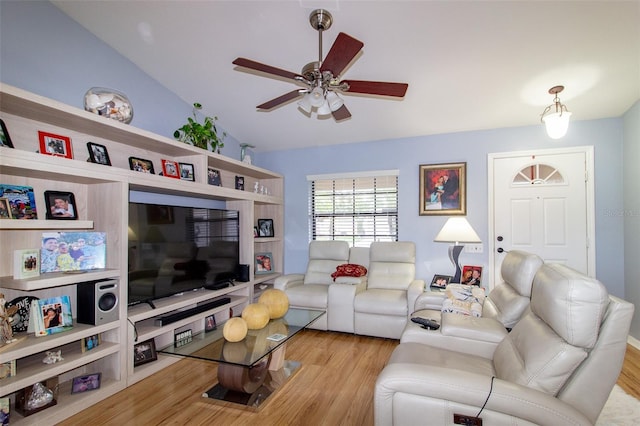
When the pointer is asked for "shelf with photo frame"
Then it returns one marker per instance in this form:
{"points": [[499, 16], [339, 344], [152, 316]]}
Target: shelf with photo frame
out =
{"points": [[98, 184]]}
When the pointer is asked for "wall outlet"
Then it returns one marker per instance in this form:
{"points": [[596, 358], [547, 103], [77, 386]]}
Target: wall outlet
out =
{"points": [[473, 248]]}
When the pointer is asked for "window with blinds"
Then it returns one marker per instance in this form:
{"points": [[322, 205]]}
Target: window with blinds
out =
{"points": [[359, 209]]}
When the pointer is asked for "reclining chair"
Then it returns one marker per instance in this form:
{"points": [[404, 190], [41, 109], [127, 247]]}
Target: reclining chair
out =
{"points": [[502, 309], [556, 367]]}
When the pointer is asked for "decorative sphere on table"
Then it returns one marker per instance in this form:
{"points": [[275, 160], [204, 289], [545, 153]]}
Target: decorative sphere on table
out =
{"points": [[256, 315], [277, 302], [235, 329]]}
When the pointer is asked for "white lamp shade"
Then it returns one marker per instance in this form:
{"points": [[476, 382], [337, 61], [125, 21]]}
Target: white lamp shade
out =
{"points": [[317, 97], [324, 109], [305, 103], [557, 124], [457, 230], [334, 101]]}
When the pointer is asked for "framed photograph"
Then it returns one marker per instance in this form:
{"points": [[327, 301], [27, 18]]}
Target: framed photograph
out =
{"points": [[264, 263], [471, 275], [86, 383], [60, 205], [90, 342], [256, 233], [57, 145], [170, 169], [49, 316], [5, 140], [441, 281], [210, 323], [8, 369], [73, 251], [26, 263], [141, 165], [443, 189], [144, 352], [98, 154], [159, 215], [265, 227], [22, 201], [187, 172], [5, 208], [213, 176], [240, 183]]}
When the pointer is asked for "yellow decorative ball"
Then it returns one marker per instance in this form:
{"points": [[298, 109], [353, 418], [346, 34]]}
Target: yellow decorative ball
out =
{"points": [[235, 329], [277, 302], [256, 315]]}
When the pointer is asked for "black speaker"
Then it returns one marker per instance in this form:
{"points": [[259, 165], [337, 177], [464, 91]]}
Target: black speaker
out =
{"points": [[97, 302], [243, 273]]}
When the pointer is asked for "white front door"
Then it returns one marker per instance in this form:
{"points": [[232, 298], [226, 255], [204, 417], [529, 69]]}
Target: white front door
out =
{"points": [[542, 202]]}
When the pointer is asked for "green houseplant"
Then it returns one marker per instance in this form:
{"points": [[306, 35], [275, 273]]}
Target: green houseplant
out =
{"points": [[201, 135]]}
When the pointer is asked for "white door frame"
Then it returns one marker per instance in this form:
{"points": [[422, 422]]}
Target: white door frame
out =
{"points": [[590, 200]]}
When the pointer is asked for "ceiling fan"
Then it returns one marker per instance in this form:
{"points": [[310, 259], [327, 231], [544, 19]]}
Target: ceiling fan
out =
{"points": [[321, 79]]}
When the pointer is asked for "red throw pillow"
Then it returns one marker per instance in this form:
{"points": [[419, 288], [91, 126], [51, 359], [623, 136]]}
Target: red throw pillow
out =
{"points": [[349, 270]]}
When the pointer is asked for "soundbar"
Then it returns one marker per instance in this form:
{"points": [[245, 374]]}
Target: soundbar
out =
{"points": [[178, 315]]}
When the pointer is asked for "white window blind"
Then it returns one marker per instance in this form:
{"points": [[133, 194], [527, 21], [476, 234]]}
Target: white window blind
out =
{"points": [[359, 209]]}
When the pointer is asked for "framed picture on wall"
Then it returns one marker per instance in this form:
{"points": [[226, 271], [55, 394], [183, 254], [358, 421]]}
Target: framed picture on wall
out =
{"points": [[443, 189]]}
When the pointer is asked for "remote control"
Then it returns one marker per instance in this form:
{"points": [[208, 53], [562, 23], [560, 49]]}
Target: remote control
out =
{"points": [[429, 324]]}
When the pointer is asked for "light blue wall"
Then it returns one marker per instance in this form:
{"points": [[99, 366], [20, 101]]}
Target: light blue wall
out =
{"points": [[45, 52], [471, 147], [631, 212]]}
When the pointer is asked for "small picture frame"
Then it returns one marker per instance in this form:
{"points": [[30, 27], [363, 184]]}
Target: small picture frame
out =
{"points": [[60, 205], [56, 145], [26, 263], [265, 227], [471, 275], [90, 342], [440, 281], [213, 177], [86, 383], [256, 233], [240, 183], [210, 323], [5, 140], [182, 338], [187, 172], [5, 208], [144, 352], [141, 165], [170, 169], [264, 263], [98, 154]]}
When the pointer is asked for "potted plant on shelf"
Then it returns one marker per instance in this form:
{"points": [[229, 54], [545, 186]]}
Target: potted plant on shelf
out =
{"points": [[201, 135]]}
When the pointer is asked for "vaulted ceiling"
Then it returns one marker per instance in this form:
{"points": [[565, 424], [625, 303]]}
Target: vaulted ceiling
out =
{"points": [[470, 65]]}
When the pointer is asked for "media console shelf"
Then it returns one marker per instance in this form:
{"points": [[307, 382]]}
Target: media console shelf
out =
{"points": [[102, 196]]}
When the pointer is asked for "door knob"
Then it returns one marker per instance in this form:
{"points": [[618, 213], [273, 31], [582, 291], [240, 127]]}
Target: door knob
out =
{"points": [[500, 250]]}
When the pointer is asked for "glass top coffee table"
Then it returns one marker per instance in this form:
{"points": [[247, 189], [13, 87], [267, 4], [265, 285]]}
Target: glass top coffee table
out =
{"points": [[252, 369]]}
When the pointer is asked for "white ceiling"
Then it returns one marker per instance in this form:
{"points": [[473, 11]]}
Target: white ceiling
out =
{"points": [[470, 65]]}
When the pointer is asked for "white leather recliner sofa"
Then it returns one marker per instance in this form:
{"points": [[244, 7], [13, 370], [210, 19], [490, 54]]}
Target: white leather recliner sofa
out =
{"points": [[556, 367], [502, 309], [392, 288], [316, 288]]}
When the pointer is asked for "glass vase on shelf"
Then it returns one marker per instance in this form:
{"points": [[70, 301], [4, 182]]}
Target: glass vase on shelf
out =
{"points": [[108, 103]]}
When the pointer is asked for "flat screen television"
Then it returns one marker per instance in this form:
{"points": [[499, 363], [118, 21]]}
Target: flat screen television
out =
{"points": [[174, 249]]}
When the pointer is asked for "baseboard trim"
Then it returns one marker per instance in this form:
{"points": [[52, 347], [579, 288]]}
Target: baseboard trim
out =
{"points": [[633, 342]]}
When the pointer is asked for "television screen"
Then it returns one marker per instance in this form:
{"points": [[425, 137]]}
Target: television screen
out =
{"points": [[173, 249]]}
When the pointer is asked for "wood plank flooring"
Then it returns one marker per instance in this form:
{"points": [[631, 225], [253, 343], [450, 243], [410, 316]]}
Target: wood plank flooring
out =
{"points": [[333, 387]]}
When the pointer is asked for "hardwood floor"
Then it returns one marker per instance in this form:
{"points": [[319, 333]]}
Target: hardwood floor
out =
{"points": [[333, 387]]}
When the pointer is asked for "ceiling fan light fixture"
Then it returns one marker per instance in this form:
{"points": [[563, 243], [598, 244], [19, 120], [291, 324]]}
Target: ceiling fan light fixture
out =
{"points": [[334, 101], [556, 116], [316, 97], [305, 103]]}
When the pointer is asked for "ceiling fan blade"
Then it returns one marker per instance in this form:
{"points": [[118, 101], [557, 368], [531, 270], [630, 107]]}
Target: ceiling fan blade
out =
{"points": [[280, 100], [248, 63], [341, 113], [376, 88], [344, 49]]}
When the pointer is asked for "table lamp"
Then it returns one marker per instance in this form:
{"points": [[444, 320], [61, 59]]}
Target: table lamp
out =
{"points": [[456, 230]]}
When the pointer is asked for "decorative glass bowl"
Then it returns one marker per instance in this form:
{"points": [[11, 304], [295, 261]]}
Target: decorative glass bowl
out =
{"points": [[108, 103]]}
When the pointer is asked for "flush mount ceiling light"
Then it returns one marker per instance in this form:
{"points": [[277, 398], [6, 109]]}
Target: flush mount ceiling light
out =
{"points": [[556, 116]]}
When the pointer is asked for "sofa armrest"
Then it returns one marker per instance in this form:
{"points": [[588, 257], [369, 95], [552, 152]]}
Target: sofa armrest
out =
{"points": [[433, 383], [474, 328], [416, 288], [283, 282], [340, 305], [430, 300]]}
